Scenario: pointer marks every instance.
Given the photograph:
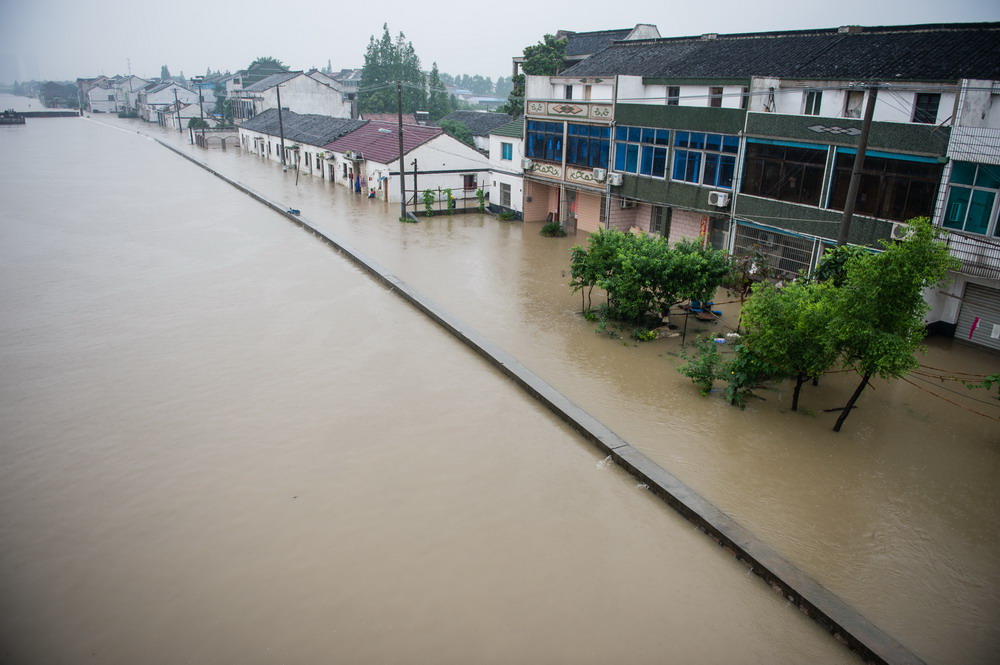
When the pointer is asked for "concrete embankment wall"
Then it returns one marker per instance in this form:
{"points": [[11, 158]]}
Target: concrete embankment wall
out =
{"points": [[846, 624]]}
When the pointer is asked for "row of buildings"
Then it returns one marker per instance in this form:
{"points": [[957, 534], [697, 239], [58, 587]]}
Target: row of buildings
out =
{"points": [[748, 141]]}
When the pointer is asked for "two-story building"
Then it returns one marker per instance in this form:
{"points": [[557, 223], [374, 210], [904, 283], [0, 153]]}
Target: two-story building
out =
{"points": [[748, 140], [506, 152], [311, 94]]}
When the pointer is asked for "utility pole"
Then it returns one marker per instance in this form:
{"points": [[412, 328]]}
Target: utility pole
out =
{"points": [[415, 190], [201, 111], [281, 129], [402, 164], [177, 105], [859, 160]]}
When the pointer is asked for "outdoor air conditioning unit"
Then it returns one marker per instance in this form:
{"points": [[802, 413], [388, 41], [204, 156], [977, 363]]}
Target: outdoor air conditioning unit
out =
{"points": [[901, 231], [718, 199], [628, 203], [526, 163], [615, 179], [600, 175]]}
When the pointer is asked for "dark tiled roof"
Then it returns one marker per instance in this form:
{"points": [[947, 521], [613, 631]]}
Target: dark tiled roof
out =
{"points": [[585, 43], [479, 123], [513, 129], [383, 146], [302, 128], [921, 52], [271, 81]]}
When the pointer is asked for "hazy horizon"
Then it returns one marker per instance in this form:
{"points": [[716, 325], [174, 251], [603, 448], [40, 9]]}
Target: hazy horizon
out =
{"points": [[58, 40]]}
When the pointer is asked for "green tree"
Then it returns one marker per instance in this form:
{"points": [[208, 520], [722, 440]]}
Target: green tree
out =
{"points": [[788, 331], [644, 275], [438, 102], [542, 59], [458, 130], [267, 62], [164, 73], [877, 317], [386, 63]]}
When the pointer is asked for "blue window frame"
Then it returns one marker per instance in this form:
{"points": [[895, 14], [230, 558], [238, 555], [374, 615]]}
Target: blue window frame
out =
{"points": [[544, 140], [641, 150], [507, 151], [705, 159], [588, 145]]}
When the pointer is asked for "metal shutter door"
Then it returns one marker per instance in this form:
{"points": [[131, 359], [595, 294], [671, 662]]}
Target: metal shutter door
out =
{"points": [[984, 303]]}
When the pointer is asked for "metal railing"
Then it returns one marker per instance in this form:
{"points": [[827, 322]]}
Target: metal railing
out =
{"points": [[980, 256]]}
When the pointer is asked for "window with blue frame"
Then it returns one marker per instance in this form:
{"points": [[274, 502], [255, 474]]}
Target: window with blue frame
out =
{"points": [[705, 159], [544, 140], [641, 150], [507, 151], [973, 192], [588, 145]]}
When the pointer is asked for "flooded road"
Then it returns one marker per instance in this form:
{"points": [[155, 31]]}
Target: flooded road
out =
{"points": [[222, 442], [899, 513]]}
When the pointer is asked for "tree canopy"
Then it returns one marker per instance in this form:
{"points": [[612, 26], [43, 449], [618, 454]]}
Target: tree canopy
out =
{"points": [[388, 62], [645, 275], [439, 102], [542, 59]]}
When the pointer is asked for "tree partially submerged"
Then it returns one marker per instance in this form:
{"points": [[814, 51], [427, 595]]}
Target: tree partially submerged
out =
{"points": [[644, 275], [877, 320]]}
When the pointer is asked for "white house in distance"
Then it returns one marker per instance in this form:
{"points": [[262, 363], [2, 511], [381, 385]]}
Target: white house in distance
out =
{"points": [[127, 93], [368, 159], [304, 136], [101, 97], [153, 99], [506, 170], [300, 93]]}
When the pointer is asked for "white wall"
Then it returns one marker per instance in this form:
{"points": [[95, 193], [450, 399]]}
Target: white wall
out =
{"points": [[507, 171], [304, 94]]}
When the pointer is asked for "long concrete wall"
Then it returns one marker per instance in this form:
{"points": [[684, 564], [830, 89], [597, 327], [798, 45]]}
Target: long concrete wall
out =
{"points": [[825, 607]]}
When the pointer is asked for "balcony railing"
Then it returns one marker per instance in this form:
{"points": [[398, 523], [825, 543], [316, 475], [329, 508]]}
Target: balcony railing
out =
{"points": [[980, 256]]}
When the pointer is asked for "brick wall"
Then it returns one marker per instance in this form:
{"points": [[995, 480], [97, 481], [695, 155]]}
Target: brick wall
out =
{"points": [[539, 207], [588, 212], [685, 224]]}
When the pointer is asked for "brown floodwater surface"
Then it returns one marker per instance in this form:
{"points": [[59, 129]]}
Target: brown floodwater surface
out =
{"points": [[222, 442]]}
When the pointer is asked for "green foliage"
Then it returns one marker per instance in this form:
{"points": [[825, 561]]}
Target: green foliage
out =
{"points": [[267, 62], [743, 373], [481, 199], [987, 383], [165, 73], [429, 197], [386, 62], [458, 130], [506, 215], [643, 335], [705, 367], [542, 59], [644, 275], [197, 123], [450, 199], [833, 266], [552, 230], [438, 101], [788, 329]]}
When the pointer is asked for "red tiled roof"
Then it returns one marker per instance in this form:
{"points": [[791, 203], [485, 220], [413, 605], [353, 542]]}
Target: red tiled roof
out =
{"points": [[383, 146]]}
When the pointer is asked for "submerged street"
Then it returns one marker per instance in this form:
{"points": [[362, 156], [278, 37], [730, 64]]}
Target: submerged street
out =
{"points": [[223, 441]]}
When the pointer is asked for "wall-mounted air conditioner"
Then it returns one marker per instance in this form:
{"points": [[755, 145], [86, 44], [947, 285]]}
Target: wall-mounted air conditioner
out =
{"points": [[600, 175], [615, 179], [718, 199], [526, 163], [901, 231], [628, 203]]}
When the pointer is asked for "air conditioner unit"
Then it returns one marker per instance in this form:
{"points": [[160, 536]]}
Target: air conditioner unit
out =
{"points": [[718, 199], [526, 163], [615, 179], [901, 231], [628, 203], [600, 175]]}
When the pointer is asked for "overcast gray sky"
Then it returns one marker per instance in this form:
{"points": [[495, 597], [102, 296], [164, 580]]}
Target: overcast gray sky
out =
{"points": [[64, 39]]}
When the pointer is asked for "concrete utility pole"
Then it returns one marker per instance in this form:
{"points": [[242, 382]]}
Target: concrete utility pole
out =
{"points": [[402, 164], [177, 105], [415, 190], [281, 129], [859, 160]]}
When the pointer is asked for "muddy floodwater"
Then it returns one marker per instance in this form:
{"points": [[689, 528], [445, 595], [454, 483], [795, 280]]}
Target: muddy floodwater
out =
{"points": [[220, 441]]}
